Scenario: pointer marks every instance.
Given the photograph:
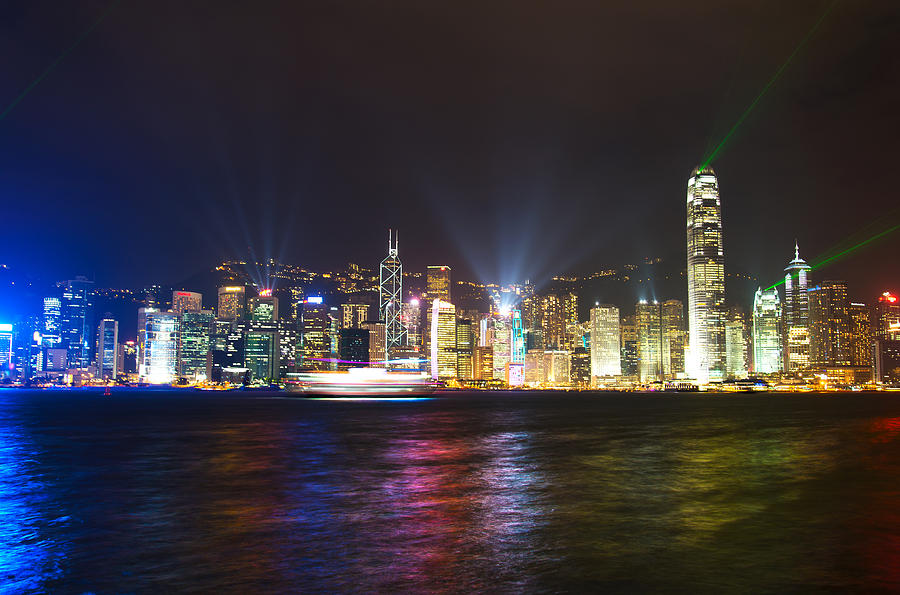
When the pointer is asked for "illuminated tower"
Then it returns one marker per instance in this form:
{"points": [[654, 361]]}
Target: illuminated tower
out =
{"points": [[767, 354], [706, 277], [391, 297], [437, 279], [107, 349], [796, 314], [187, 301], [649, 334], [606, 358], [442, 341], [829, 325]]}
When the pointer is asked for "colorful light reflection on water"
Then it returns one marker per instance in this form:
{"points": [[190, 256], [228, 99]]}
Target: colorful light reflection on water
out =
{"points": [[486, 492]]}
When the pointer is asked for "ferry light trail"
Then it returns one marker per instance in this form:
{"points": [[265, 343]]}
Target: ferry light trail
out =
{"points": [[767, 86], [853, 248]]}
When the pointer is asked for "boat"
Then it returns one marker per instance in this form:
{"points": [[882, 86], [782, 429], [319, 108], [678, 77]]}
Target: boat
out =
{"points": [[356, 382]]}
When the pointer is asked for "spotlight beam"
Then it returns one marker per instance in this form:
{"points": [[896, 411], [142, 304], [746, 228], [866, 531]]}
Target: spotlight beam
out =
{"points": [[853, 248], [58, 60], [768, 85]]}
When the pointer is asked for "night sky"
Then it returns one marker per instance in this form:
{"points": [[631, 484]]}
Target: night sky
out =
{"points": [[510, 140]]}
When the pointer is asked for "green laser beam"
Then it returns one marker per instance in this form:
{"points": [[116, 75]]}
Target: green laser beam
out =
{"points": [[59, 59], [853, 248], [768, 85]]}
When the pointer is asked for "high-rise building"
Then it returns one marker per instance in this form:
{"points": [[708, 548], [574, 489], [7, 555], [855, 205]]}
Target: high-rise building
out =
{"points": [[52, 321], [767, 335], [315, 333], [649, 341], [557, 368], [194, 343], [860, 335], [706, 277], [830, 341], [558, 318], [465, 339], [232, 302], [353, 315], [411, 319], [377, 343], [483, 362], [796, 315], [887, 361], [437, 283], [886, 317], [516, 337], [501, 347], [390, 291], [186, 301], [605, 348], [158, 356], [736, 348], [673, 337], [6, 350], [264, 307], [354, 346], [107, 349], [628, 334], [262, 351], [441, 321], [76, 328]]}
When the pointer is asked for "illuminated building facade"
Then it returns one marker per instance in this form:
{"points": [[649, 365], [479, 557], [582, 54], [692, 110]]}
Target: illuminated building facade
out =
{"points": [[465, 339], [107, 349], [673, 336], [76, 328], [500, 345], [628, 335], [516, 337], [767, 336], [353, 315], [262, 351], [411, 319], [558, 317], [706, 277], [580, 368], [6, 350], [736, 349], [887, 361], [158, 357], [391, 297], [437, 279], [377, 355], [796, 315], [860, 335], [232, 302], [264, 307], [886, 317], [605, 342], [830, 340], [52, 321], [556, 368], [186, 301], [442, 342], [194, 343], [354, 345], [315, 329], [649, 341], [483, 362]]}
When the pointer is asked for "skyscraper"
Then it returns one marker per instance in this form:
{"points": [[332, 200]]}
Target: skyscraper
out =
{"points": [[796, 314], [767, 336], [558, 316], [736, 355], [605, 350], [232, 302], [437, 281], [706, 277], [390, 290], [194, 344], [886, 317], [442, 341], [628, 333], [107, 349], [829, 325], [186, 301], [501, 347], [352, 315], [76, 328], [158, 357], [465, 340], [673, 336], [649, 341], [860, 335]]}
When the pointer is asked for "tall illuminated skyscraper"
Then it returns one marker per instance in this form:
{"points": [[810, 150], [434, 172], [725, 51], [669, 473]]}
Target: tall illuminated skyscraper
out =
{"points": [[886, 317], [649, 341], [606, 355], [673, 336], [107, 349], [767, 336], [391, 297], [829, 325], [232, 302], [437, 279], [860, 335], [706, 277], [158, 357], [193, 343], [796, 314], [442, 341], [76, 328], [736, 364]]}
